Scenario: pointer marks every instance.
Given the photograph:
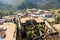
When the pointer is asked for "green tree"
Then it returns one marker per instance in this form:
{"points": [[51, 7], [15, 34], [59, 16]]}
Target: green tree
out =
{"points": [[57, 19]]}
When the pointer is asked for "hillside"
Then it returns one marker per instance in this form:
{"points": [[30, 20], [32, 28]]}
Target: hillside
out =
{"points": [[8, 8], [43, 4]]}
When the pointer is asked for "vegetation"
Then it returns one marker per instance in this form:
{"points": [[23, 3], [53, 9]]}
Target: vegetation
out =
{"points": [[57, 19], [5, 12], [33, 31]]}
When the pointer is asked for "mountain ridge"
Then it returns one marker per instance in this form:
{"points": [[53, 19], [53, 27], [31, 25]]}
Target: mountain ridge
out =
{"points": [[42, 4]]}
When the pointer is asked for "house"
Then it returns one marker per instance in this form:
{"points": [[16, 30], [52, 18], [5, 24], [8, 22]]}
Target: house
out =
{"points": [[39, 10], [48, 17], [36, 14], [45, 16], [7, 30], [38, 20], [28, 10], [8, 18], [20, 13], [2, 21]]}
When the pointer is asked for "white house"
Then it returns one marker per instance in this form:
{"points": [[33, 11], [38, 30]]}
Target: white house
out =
{"points": [[28, 10], [2, 21], [46, 15]]}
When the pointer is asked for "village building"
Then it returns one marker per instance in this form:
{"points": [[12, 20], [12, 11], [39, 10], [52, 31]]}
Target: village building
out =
{"points": [[2, 21], [8, 18], [7, 31], [38, 20]]}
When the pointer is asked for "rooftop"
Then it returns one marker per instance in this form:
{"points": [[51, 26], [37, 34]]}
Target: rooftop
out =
{"points": [[38, 20], [10, 30]]}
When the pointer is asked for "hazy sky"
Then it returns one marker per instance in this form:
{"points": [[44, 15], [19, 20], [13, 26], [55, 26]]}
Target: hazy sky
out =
{"points": [[12, 2]]}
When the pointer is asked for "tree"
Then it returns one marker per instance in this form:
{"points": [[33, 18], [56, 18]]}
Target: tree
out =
{"points": [[57, 20]]}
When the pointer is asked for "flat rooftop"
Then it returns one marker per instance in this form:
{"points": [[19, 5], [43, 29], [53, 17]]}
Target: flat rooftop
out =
{"points": [[38, 20], [10, 30]]}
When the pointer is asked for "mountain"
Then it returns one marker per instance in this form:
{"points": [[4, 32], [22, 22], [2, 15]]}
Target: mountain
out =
{"points": [[42, 4], [8, 4], [2, 5]]}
